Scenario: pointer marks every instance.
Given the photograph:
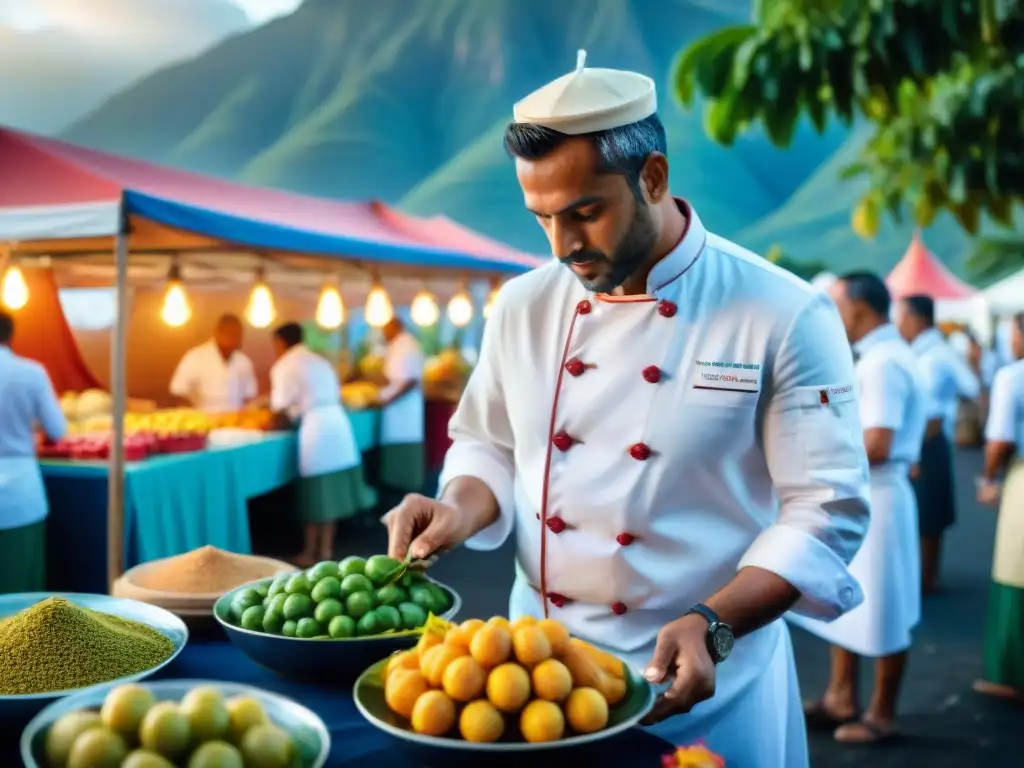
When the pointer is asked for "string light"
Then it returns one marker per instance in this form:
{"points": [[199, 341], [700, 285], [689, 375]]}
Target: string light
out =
{"points": [[14, 290], [424, 310], [460, 309], [176, 310], [330, 310], [491, 299], [378, 311], [261, 311]]}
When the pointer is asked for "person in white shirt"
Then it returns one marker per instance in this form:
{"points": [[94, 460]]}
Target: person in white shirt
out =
{"points": [[948, 381], [893, 412], [216, 376], [304, 391], [667, 422], [402, 466], [27, 401], [1004, 453]]}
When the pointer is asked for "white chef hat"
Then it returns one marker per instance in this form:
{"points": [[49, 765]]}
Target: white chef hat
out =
{"points": [[589, 100]]}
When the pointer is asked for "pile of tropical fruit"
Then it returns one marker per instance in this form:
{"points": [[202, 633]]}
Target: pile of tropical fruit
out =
{"points": [[357, 395]]}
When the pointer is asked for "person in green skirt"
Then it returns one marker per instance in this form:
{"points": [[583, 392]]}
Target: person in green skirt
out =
{"points": [[304, 391], [1004, 436], [27, 400], [402, 457]]}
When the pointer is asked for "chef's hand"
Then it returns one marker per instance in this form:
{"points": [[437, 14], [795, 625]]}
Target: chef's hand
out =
{"points": [[681, 655], [988, 492], [422, 526]]}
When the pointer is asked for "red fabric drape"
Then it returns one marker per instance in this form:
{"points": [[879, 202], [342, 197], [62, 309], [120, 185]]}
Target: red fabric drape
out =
{"points": [[438, 414], [41, 332]]}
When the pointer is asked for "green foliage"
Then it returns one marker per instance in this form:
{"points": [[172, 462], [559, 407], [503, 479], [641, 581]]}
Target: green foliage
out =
{"points": [[429, 339], [805, 270]]}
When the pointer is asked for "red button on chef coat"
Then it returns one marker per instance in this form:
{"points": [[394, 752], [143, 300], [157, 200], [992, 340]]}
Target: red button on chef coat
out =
{"points": [[556, 599], [583, 307], [666, 308], [651, 374], [625, 539], [619, 608], [562, 441], [556, 524], [639, 451], [575, 367]]}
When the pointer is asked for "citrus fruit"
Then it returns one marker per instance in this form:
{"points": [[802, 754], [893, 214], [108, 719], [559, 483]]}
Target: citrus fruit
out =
{"points": [[216, 754], [62, 734], [388, 617], [403, 660], [403, 688], [355, 583], [351, 565], [435, 660], [491, 645], [252, 619], [508, 687], [297, 584], [277, 585], [586, 710], [423, 597], [165, 730], [342, 627], [391, 595], [464, 679], [369, 624], [481, 723], [244, 600], [273, 622], [245, 713], [530, 645], [556, 633], [499, 621], [97, 748], [551, 680], [143, 758], [124, 707], [525, 620], [321, 571], [298, 606], [289, 628], [413, 616], [327, 587], [380, 567], [433, 714], [208, 717], [464, 632], [267, 746], [358, 604], [327, 611], [307, 628], [541, 721]]}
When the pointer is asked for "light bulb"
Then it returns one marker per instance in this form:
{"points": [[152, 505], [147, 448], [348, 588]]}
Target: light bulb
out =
{"points": [[261, 312], [330, 311], [14, 291], [423, 310], [460, 309], [489, 306], [378, 311], [176, 310]]}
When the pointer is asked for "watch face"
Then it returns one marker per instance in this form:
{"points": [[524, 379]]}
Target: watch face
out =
{"points": [[722, 638]]}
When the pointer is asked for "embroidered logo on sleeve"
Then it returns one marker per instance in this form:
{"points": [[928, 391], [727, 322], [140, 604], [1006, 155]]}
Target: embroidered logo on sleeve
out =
{"points": [[728, 376], [834, 395]]}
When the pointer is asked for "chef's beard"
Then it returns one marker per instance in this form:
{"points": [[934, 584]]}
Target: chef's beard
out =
{"points": [[631, 254]]}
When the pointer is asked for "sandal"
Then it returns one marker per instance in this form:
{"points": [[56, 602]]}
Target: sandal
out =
{"points": [[820, 718], [864, 732]]}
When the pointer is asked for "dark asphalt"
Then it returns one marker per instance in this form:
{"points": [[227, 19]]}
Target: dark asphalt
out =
{"points": [[943, 723]]}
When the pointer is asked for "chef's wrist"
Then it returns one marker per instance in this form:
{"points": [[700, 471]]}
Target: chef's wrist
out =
{"points": [[474, 502]]}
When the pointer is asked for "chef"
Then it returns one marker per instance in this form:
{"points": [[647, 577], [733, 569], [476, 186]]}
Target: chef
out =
{"points": [[668, 423], [1004, 450], [947, 380], [216, 376], [402, 458], [893, 412], [304, 390], [27, 400]]}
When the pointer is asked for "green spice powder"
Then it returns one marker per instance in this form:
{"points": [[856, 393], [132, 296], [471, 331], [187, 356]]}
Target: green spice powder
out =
{"points": [[56, 645]]}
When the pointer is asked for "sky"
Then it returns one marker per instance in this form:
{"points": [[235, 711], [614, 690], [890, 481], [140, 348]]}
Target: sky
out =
{"points": [[36, 14]]}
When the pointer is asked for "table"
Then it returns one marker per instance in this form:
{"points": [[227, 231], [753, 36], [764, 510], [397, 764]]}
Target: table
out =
{"points": [[354, 742]]}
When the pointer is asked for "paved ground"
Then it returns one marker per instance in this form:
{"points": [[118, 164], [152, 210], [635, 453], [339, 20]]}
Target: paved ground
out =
{"points": [[945, 724]]}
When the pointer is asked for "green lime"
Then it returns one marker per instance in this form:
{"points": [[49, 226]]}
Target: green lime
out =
{"points": [[422, 596], [298, 606], [276, 603], [388, 617], [351, 566], [416, 577], [327, 610], [298, 584], [380, 567], [413, 616], [390, 595], [442, 602], [355, 583], [252, 619], [341, 627], [326, 588], [322, 571], [143, 758], [358, 604], [289, 627], [272, 622], [277, 585], [263, 589], [369, 625], [307, 628], [216, 754], [244, 600]]}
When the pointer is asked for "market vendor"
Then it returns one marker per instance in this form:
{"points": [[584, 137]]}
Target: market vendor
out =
{"points": [[402, 458], [669, 422], [304, 389], [27, 401], [216, 376]]}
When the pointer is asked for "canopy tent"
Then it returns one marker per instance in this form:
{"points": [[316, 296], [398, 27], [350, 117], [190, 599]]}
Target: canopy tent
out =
{"points": [[921, 272], [1007, 296]]}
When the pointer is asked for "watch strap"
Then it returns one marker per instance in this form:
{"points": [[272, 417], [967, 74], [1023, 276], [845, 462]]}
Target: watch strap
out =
{"points": [[707, 613]]}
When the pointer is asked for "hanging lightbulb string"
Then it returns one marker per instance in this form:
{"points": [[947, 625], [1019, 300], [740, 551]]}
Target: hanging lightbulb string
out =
{"points": [[13, 288], [261, 311], [378, 311], [176, 310], [330, 309], [460, 308], [424, 310]]}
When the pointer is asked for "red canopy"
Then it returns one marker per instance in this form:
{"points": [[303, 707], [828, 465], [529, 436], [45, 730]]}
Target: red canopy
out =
{"points": [[920, 272]]}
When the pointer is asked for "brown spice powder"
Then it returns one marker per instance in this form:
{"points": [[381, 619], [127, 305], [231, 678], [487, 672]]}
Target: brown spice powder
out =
{"points": [[206, 570]]}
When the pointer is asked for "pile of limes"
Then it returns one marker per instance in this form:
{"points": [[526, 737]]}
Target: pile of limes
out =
{"points": [[134, 730], [352, 598]]}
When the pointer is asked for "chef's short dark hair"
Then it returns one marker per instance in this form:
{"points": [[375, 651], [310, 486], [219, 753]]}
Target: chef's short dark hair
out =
{"points": [[6, 327], [921, 306], [291, 334], [621, 151], [870, 289]]}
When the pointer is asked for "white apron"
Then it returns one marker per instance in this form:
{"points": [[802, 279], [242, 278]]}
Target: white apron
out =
{"points": [[22, 492], [401, 422], [1008, 560], [326, 442], [888, 567]]}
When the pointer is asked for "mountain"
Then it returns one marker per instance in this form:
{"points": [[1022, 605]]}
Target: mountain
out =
{"points": [[405, 101]]}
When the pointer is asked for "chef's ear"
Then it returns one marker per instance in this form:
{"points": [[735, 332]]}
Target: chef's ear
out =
{"points": [[654, 177]]}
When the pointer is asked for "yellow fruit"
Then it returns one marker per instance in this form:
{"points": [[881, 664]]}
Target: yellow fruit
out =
{"points": [[610, 663], [403, 660], [866, 219], [498, 621], [508, 687], [434, 662], [542, 721], [586, 710], [481, 723], [427, 641], [464, 632], [403, 688], [464, 679], [586, 673], [530, 645], [551, 680], [523, 621], [491, 646], [433, 714], [555, 632]]}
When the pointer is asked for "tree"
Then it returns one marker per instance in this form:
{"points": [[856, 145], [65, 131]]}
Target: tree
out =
{"points": [[805, 270], [940, 81]]}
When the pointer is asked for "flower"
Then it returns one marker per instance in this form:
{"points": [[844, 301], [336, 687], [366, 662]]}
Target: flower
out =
{"points": [[694, 756]]}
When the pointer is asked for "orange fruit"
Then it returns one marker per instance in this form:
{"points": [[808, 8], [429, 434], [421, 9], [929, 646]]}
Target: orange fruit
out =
{"points": [[491, 646], [435, 660], [433, 714], [403, 688], [464, 632], [498, 621], [531, 645], [551, 680], [586, 710], [526, 620], [403, 660], [542, 721], [508, 687], [427, 641], [464, 679], [556, 633], [481, 723]]}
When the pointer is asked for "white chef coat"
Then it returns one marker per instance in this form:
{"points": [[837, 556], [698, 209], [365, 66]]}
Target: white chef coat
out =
{"points": [[892, 395], [1006, 425], [305, 386], [1006, 407], [947, 378], [402, 420], [27, 400], [211, 383], [646, 448]]}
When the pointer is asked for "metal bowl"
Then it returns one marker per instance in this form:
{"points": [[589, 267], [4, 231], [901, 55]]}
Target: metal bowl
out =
{"points": [[309, 732], [322, 659], [23, 706]]}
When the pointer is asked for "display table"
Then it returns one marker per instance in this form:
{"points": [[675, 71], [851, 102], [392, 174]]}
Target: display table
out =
{"points": [[354, 741]]}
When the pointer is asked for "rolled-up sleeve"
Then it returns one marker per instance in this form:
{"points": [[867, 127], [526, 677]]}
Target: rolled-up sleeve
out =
{"points": [[1001, 426], [814, 448], [482, 442]]}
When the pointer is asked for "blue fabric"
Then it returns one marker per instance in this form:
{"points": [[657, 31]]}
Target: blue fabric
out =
{"points": [[261, 234], [366, 428]]}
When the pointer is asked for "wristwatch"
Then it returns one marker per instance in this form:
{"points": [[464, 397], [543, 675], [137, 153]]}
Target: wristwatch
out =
{"points": [[720, 638]]}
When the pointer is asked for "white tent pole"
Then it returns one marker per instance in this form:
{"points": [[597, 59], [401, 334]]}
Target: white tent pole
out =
{"points": [[118, 387]]}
